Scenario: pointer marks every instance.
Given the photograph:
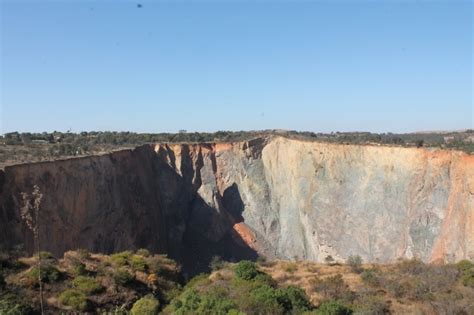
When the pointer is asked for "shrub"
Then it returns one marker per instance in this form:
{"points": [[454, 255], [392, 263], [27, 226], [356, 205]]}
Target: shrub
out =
{"points": [[263, 300], [87, 285], [215, 302], [412, 267], [293, 299], [246, 270], [372, 305], [123, 277], [2, 279], [78, 268], [329, 260], [138, 263], [201, 280], [420, 290], [75, 299], [370, 277], [465, 265], [155, 266], [147, 305], [395, 288], [422, 282], [468, 278], [333, 288], [46, 256], [290, 267], [333, 308], [216, 263], [121, 259], [355, 262], [187, 303], [263, 278], [49, 274], [12, 305], [143, 252]]}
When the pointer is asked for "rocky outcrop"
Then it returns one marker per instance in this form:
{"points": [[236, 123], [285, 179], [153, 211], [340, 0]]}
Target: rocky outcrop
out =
{"points": [[278, 197]]}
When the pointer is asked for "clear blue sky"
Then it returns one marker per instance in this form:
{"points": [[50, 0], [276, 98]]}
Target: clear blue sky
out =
{"points": [[236, 65]]}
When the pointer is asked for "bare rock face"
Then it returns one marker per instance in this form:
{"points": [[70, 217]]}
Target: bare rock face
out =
{"points": [[275, 197]]}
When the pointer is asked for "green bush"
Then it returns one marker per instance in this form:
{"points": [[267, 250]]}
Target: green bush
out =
{"points": [[123, 277], [262, 278], [121, 259], [464, 265], [143, 252], [49, 274], [215, 301], [11, 304], [333, 308], [201, 279], [155, 266], [188, 302], [468, 278], [263, 300], [466, 268], [138, 263], [355, 262], [46, 256], [78, 268], [147, 305], [370, 277], [246, 270], [293, 299], [252, 296], [216, 263], [88, 285], [75, 299]]}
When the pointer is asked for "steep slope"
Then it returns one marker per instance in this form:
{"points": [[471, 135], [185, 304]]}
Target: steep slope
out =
{"points": [[274, 196]]}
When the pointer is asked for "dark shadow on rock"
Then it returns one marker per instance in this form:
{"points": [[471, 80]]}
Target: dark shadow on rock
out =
{"points": [[196, 231], [198, 248], [143, 201], [233, 202]]}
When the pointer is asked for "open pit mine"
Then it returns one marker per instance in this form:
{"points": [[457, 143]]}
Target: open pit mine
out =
{"points": [[273, 196]]}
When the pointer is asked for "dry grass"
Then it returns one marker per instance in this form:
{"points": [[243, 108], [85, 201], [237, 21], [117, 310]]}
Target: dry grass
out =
{"points": [[304, 275], [307, 274]]}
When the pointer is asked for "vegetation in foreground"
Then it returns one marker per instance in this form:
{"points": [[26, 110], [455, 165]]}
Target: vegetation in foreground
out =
{"points": [[18, 147], [142, 283]]}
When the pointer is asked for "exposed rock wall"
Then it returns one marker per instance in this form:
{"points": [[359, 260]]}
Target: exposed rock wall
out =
{"points": [[278, 197]]}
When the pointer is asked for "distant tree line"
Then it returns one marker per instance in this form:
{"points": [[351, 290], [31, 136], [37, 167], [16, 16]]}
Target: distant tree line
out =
{"points": [[28, 146]]}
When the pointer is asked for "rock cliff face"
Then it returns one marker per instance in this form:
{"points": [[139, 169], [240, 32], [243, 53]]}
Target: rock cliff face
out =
{"points": [[278, 197]]}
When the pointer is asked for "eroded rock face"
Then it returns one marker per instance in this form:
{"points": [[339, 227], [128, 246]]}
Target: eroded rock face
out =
{"points": [[277, 197]]}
